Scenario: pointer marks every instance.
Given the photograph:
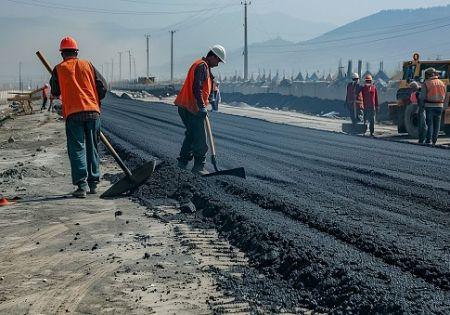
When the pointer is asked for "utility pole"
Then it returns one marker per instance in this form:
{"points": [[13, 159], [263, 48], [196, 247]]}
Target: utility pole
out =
{"points": [[129, 61], [112, 69], [120, 65], [171, 55], [147, 37], [134, 67], [246, 3], [20, 77]]}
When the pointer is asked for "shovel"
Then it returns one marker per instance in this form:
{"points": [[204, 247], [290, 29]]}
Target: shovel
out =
{"points": [[132, 180], [238, 172]]}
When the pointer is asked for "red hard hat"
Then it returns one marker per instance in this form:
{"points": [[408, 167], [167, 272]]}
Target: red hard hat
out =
{"points": [[68, 43]]}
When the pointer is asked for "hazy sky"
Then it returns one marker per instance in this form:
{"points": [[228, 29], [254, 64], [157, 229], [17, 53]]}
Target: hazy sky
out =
{"points": [[156, 17], [330, 11]]}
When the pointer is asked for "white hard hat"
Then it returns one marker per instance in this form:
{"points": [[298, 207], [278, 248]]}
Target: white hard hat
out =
{"points": [[220, 52], [355, 76]]}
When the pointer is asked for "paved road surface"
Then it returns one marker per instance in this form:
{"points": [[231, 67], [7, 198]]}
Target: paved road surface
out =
{"points": [[360, 224]]}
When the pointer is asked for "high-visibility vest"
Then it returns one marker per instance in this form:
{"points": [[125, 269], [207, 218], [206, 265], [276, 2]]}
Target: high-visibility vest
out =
{"points": [[186, 97], [436, 90], [77, 84]]}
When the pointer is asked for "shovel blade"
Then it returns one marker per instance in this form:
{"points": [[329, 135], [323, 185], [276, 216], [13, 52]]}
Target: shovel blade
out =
{"points": [[238, 172], [126, 184]]}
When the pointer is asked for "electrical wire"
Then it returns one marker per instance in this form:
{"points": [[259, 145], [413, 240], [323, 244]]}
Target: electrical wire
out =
{"points": [[52, 5]]}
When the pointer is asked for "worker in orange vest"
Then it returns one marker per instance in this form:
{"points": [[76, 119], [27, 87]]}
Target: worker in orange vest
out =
{"points": [[192, 102], [415, 99], [81, 88], [44, 96], [433, 95]]}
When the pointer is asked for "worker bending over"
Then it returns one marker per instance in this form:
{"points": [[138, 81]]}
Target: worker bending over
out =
{"points": [[370, 100], [192, 101], [433, 95], [81, 88]]}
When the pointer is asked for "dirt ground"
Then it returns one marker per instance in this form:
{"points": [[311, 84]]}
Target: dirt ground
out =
{"points": [[94, 256]]}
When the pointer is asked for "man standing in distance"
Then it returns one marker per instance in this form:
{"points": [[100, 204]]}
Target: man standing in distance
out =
{"points": [[192, 101], [370, 100], [433, 96], [81, 88]]}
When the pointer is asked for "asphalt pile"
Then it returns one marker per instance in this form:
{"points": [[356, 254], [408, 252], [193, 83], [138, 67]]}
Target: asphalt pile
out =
{"points": [[348, 225]]}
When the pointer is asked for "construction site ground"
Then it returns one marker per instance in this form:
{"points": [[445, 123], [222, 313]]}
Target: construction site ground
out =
{"points": [[325, 222], [91, 256], [352, 225]]}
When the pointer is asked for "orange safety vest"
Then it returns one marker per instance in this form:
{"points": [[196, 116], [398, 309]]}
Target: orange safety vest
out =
{"points": [[436, 90], [77, 84], [186, 98]]}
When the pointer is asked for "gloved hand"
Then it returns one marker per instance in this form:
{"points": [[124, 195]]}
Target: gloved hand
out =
{"points": [[202, 112]]}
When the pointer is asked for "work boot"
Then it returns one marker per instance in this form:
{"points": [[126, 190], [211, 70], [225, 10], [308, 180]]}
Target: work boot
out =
{"points": [[93, 189], [79, 193], [200, 169]]}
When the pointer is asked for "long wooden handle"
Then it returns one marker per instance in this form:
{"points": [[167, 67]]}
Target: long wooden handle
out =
{"points": [[210, 136], [44, 61], [115, 155], [102, 136]]}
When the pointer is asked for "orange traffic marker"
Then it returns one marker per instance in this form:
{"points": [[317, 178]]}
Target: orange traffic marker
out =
{"points": [[4, 202]]}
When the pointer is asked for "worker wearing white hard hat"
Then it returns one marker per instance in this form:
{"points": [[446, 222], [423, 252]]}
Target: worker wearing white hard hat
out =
{"points": [[353, 100], [192, 101]]}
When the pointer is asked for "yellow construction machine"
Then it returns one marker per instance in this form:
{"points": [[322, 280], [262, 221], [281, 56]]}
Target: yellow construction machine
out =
{"points": [[403, 112]]}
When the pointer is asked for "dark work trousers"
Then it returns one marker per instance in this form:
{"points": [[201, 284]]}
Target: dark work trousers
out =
{"points": [[422, 125], [82, 146], [194, 143], [369, 117], [44, 103], [355, 112], [433, 123]]}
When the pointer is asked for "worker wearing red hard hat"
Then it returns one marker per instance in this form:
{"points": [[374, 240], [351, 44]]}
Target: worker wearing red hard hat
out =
{"points": [[81, 88], [370, 100]]}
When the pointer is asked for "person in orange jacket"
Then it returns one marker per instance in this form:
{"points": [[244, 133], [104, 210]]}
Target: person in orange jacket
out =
{"points": [[81, 88], [371, 106], [44, 96], [192, 101], [433, 95]]}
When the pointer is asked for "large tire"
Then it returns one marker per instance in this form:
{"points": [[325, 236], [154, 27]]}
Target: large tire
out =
{"points": [[412, 120], [447, 130]]}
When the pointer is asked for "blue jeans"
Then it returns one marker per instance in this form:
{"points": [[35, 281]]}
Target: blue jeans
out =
{"points": [[82, 146], [433, 116]]}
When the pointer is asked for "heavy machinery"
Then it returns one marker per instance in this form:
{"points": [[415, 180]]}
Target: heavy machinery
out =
{"points": [[404, 113]]}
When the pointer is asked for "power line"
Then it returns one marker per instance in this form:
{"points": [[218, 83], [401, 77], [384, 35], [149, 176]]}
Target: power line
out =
{"points": [[52, 5], [358, 43]]}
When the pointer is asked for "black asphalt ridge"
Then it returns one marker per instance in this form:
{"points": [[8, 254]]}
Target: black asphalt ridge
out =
{"points": [[354, 225]]}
